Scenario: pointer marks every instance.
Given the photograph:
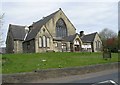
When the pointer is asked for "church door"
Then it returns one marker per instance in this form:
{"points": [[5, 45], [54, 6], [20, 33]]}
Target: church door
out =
{"points": [[77, 48]]}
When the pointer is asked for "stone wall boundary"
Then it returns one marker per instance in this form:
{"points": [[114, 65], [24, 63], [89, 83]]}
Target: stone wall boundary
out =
{"points": [[54, 73]]}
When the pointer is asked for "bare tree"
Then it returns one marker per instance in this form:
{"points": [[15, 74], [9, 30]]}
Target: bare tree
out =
{"points": [[109, 39], [107, 34]]}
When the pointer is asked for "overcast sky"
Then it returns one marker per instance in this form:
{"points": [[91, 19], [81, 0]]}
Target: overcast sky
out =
{"points": [[92, 16]]}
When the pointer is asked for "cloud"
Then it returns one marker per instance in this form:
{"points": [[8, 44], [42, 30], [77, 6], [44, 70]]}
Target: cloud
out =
{"points": [[61, 0], [91, 11], [87, 16], [94, 15], [25, 11]]}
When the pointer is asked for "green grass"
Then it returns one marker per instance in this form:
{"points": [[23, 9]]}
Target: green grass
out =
{"points": [[16, 63]]}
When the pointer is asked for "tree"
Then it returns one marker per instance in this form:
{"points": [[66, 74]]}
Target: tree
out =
{"points": [[107, 33], [109, 39]]}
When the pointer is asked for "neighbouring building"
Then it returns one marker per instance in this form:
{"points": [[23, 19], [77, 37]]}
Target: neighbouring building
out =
{"points": [[52, 33], [91, 42]]}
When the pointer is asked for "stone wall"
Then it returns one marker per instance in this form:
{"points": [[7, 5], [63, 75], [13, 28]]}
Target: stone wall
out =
{"points": [[9, 43], [43, 32], [53, 73], [29, 46], [51, 24], [18, 47], [97, 38]]}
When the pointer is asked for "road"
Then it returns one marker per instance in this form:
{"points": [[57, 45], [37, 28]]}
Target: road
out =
{"points": [[85, 78]]}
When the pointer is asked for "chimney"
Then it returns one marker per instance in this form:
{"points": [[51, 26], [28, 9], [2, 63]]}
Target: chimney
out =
{"points": [[81, 33], [26, 29]]}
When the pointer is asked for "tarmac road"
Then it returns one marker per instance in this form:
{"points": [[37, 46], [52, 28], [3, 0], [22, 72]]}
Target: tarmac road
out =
{"points": [[85, 78], [111, 76]]}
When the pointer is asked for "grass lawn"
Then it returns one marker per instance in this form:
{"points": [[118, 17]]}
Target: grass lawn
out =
{"points": [[16, 63]]}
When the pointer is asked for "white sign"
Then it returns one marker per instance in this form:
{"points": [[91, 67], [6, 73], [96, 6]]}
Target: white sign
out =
{"points": [[86, 46]]}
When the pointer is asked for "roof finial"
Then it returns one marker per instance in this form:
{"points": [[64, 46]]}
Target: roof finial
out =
{"points": [[60, 9]]}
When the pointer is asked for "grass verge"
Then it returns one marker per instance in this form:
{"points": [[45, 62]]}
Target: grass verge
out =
{"points": [[17, 63]]}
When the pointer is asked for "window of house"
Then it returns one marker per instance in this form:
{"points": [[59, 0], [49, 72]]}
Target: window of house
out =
{"points": [[56, 44], [61, 29], [96, 44], [76, 42], [99, 44], [43, 29], [48, 42], [64, 47], [44, 41], [40, 42]]}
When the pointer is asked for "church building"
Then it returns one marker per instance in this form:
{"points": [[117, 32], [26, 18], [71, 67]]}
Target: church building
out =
{"points": [[53, 33]]}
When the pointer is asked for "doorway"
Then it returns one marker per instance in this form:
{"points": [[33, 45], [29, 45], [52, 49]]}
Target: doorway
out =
{"points": [[77, 48]]}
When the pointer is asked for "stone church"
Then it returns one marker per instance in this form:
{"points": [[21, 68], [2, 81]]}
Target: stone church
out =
{"points": [[53, 33]]}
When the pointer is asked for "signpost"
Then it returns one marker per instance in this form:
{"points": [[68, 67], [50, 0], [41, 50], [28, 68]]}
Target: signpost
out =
{"points": [[106, 54]]}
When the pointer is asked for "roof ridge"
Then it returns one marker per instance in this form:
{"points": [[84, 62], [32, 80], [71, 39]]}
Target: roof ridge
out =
{"points": [[37, 25], [91, 33], [16, 25], [46, 17], [89, 37]]}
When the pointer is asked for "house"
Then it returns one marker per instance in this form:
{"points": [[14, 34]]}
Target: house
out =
{"points": [[54, 32]]}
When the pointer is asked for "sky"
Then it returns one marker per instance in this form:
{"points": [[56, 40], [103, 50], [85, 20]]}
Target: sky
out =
{"points": [[88, 15]]}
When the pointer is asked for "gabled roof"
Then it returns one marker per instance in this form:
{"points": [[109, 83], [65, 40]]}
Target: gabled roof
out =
{"points": [[17, 31], [89, 37], [37, 25], [70, 38]]}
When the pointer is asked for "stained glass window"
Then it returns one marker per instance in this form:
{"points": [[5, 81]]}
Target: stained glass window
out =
{"points": [[61, 29], [44, 41]]}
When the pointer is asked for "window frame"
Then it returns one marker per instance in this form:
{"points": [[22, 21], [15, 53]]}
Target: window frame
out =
{"points": [[61, 29], [40, 42], [44, 40], [48, 42]]}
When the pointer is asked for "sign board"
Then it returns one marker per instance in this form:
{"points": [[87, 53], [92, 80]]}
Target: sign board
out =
{"points": [[86, 46]]}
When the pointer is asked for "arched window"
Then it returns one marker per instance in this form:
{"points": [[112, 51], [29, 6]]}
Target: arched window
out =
{"points": [[76, 42], [96, 44], [99, 44], [44, 41], [48, 42], [61, 29], [40, 42]]}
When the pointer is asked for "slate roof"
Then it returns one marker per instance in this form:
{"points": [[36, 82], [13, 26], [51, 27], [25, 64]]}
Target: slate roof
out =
{"points": [[89, 37], [58, 39], [70, 38], [18, 32], [37, 25]]}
